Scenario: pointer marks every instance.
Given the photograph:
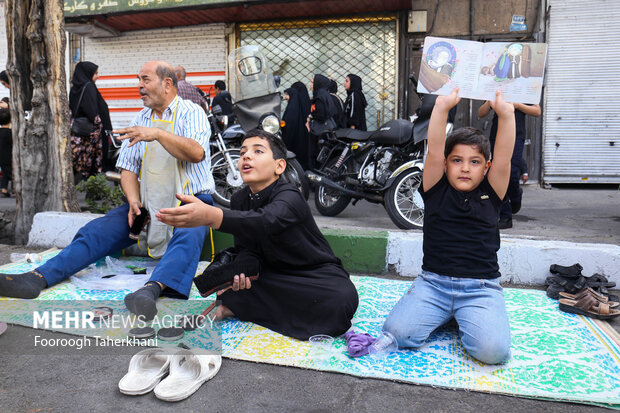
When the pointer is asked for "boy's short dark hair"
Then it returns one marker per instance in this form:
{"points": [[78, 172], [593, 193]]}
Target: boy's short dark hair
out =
{"points": [[4, 77], [5, 117], [5, 100], [469, 136], [220, 84], [277, 146]]}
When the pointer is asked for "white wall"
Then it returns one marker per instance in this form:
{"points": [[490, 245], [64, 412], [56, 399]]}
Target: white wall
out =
{"points": [[199, 49]]}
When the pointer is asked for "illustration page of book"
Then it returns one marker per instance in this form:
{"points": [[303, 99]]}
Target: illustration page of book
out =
{"points": [[515, 68], [447, 63]]}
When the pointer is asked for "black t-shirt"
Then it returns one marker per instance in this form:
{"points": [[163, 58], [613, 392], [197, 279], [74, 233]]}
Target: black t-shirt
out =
{"points": [[224, 101], [461, 234]]}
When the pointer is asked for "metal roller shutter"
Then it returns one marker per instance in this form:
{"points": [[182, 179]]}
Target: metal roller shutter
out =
{"points": [[200, 49], [582, 104], [366, 47]]}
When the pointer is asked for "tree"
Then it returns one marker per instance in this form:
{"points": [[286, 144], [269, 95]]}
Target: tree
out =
{"points": [[42, 166]]}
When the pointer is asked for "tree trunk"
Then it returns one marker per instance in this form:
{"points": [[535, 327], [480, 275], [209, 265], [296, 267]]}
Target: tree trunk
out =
{"points": [[42, 166]]}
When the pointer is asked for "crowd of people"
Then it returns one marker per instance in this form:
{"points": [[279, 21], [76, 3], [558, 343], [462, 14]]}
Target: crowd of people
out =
{"points": [[305, 119], [284, 275]]}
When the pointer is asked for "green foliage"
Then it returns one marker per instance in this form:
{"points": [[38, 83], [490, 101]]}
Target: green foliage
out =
{"points": [[101, 195]]}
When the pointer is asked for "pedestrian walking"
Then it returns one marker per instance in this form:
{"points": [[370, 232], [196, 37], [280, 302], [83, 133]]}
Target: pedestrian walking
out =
{"points": [[355, 104], [514, 195], [89, 148]]}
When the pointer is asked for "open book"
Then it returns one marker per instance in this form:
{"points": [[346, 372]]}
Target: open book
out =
{"points": [[479, 69]]}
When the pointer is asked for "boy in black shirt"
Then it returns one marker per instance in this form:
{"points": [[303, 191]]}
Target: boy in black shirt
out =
{"points": [[460, 273], [302, 289]]}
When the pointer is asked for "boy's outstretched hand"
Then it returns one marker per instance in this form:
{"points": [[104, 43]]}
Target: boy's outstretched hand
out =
{"points": [[445, 103], [501, 107], [193, 213]]}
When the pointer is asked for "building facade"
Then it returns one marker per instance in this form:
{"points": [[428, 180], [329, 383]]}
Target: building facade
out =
{"points": [[576, 139]]}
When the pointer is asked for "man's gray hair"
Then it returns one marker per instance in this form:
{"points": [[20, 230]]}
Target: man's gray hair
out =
{"points": [[180, 72], [163, 71]]}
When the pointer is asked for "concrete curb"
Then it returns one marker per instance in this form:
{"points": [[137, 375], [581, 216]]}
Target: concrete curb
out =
{"points": [[57, 229], [522, 261]]}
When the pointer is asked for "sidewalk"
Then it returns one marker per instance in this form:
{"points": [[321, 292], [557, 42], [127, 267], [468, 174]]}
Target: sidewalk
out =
{"points": [[555, 227]]}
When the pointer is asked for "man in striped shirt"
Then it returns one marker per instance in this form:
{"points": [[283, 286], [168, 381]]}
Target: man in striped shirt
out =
{"points": [[189, 143]]}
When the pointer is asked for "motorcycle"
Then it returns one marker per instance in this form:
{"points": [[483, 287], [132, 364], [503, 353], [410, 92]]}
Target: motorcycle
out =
{"points": [[224, 156], [256, 104], [114, 149], [383, 166]]}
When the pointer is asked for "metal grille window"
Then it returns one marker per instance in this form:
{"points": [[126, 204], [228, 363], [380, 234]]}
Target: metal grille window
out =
{"points": [[334, 47]]}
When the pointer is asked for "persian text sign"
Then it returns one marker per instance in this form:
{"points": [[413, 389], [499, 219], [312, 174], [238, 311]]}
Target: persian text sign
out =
{"points": [[99, 7]]}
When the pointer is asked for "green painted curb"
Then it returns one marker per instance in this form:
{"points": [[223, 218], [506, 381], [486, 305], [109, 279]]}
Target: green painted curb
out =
{"points": [[360, 251], [221, 240]]}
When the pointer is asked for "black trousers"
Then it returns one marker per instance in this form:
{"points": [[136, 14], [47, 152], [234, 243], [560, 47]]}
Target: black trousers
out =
{"points": [[6, 176], [514, 194]]}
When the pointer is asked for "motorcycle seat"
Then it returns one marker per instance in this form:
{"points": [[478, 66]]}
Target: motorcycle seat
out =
{"points": [[352, 134]]}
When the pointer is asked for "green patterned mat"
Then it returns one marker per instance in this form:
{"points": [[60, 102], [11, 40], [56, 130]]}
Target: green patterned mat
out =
{"points": [[555, 355]]}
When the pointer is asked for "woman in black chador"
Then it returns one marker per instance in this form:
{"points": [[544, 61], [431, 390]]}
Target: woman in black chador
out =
{"points": [[341, 120], [302, 288], [322, 113], [355, 104], [323, 107], [89, 152], [294, 133]]}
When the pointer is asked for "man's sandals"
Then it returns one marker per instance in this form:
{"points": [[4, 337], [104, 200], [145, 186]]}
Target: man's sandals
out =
{"points": [[570, 280], [589, 303]]}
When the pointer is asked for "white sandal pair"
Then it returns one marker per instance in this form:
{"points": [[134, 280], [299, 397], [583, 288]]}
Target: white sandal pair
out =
{"points": [[188, 371]]}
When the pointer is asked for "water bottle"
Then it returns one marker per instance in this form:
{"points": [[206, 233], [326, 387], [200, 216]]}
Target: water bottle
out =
{"points": [[386, 343]]}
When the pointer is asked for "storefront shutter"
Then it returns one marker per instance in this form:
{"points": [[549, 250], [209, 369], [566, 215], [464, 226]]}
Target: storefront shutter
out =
{"points": [[200, 49], [366, 47], [581, 137]]}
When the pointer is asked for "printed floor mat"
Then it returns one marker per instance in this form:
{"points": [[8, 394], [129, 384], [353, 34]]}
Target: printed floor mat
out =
{"points": [[555, 355]]}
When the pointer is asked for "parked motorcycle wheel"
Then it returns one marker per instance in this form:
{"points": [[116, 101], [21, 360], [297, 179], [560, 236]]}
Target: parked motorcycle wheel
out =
{"points": [[225, 182], [330, 202], [294, 174], [403, 202]]}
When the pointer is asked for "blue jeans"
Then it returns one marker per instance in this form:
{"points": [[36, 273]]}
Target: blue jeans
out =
{"points": [[110, 234], [477, 305]]}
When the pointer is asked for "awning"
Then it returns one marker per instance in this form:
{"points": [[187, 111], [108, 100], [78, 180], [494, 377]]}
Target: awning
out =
{"points": [[125, 15]]}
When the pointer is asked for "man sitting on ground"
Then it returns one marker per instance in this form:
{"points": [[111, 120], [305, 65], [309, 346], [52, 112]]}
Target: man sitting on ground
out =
{"points": [[176, 133]]}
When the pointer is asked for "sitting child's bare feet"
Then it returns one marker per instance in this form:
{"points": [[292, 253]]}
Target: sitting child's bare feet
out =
{"points": [[223, 312]]}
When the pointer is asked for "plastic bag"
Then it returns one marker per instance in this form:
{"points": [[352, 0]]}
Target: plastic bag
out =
{"points": [[98, 277], [28, 257]]}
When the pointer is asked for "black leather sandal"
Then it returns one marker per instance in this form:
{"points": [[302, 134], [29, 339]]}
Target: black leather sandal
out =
{"points": [[221, 272]]}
